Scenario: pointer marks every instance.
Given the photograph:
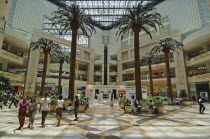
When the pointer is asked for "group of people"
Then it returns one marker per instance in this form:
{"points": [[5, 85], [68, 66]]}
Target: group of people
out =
{"points": [[29, 109], [135, 106]]}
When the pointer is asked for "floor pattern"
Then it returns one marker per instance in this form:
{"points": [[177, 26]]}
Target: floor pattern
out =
{"points": [[105, 122]]}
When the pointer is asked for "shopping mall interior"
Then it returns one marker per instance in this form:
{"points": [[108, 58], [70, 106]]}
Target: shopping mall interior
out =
{"points": [[108, 56]]}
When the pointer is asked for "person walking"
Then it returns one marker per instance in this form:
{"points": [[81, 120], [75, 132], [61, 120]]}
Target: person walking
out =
{"points": [[22, 111], [32, 112], [44, 107], [201, 108], [151, 108], [76, 107], [193, 99], [133, 104], [59, 108], [14, 100]]}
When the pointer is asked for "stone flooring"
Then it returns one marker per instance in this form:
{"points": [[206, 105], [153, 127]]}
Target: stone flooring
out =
{"points": [[104, 122]]}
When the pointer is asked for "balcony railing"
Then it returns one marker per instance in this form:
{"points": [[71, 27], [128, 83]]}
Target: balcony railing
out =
{"points": [[194, 73], [63, 77], [19, 54], [14, 72], [145, 77], [192, 55]]}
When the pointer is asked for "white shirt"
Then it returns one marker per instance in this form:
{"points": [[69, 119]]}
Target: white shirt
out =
{"points": [[45, 102], [60, 103], [200, 100], [132, 102]]}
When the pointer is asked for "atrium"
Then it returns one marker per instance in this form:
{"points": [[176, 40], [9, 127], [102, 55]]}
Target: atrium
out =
{"points": [[133, 69]]}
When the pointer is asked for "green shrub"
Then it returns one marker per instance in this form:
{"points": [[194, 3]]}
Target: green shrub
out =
{"points": [[183, 93], [53, 99], [166, 98], [184, 99], [127, 102]]}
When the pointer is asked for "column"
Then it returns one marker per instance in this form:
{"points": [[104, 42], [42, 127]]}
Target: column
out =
{"points": [[31, 75], [90, 78], [180, 70], [119, 68]]}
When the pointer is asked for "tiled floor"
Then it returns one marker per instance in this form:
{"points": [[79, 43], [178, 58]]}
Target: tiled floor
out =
{"points": [[105, 122]]}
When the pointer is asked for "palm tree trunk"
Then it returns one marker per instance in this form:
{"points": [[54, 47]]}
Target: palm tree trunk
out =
{"points": [[73, 61], [44, 73], [137, 66], [169, 86], [60, 77], [150, 76]]}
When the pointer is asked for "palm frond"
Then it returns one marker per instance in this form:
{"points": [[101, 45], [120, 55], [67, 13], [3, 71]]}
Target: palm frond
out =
{"points": [[143, 16], [67, 15]]}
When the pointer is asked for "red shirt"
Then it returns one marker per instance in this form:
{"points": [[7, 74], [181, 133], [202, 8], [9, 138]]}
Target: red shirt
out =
{"points": [[23, 106]]}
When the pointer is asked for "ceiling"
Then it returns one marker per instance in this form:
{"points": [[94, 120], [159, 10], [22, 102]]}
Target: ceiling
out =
{"points": [[105, 12]]}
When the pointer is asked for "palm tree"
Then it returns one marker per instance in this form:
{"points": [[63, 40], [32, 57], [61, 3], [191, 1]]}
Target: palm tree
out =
{"points": [[73, 18], [149, 58], [166, 46], [138, 18], [49, 48], [61, 58]]}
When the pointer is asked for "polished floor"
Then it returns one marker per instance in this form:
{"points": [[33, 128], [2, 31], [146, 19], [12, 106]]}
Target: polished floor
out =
{"points": [[104, 122]]}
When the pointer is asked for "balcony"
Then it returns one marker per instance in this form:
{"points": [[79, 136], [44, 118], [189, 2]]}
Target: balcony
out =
{"points": [[113, 73], [20, 77], [98, 73], [203, 76], [12, 56], [155, 81], [65, 80], [199, 58]]}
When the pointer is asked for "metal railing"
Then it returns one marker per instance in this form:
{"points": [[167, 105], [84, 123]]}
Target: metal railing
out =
{"points": [[195, 73], [195, 54]]}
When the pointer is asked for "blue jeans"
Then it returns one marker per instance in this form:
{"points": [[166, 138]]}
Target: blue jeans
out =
{"points": [[44, 115], [76, 111]]}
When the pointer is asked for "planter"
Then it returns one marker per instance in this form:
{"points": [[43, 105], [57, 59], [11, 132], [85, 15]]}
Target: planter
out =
{"points": [[52, 108], [127, 109], [160, 109], [81, 108], [186, 102], [122, 105], [166, 102]]}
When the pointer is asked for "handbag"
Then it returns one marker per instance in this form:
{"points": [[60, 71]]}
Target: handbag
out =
{"points": [[28, 114]]}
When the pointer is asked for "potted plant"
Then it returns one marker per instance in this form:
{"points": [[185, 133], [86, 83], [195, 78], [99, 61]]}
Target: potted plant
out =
{"points": [[127, 105], [81, 104], [122, 102], [166, 100], [53, 102], [158, 103], [159, 106], [184, 99]]}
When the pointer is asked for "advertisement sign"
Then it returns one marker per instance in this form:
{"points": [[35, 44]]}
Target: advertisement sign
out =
{"points": [[65, 92], [131, 90]]}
